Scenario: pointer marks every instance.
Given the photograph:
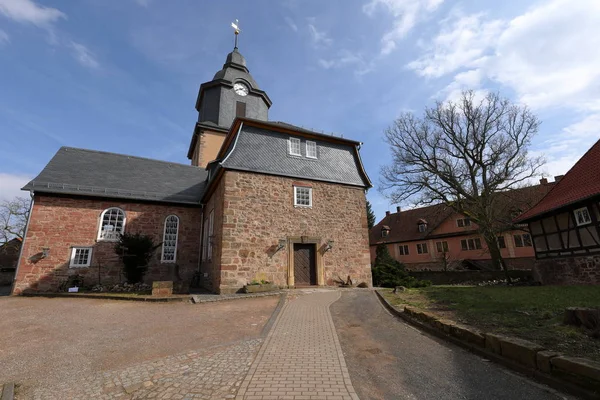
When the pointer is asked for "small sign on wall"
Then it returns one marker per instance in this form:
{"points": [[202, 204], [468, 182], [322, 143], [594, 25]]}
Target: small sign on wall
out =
{"points": [[74, 289]]}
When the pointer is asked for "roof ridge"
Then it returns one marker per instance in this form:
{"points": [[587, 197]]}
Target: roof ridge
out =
{"points": [[67, 148]]}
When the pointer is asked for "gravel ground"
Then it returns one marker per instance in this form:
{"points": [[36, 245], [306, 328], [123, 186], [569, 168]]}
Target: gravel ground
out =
{"points": [[388, 359], [49, 342]]}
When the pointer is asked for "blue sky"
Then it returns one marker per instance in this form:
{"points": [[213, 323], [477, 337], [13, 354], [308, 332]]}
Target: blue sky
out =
{"points": [[123, 75]]}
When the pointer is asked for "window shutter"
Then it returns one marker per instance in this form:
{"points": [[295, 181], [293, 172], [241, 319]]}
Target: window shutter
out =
{"points": [[240, 109]]}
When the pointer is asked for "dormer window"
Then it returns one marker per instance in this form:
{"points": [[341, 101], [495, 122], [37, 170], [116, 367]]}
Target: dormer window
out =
{"points": [[294, 147], [385, 231], [462, 222], [311, 149], [422, 225]]}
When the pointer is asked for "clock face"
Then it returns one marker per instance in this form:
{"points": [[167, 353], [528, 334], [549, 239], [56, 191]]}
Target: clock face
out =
{"points": [[240, 89]]}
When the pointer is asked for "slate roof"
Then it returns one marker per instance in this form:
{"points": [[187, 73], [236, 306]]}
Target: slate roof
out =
{"points": [[102, 174], [263, 150], [403, 225], [580, 183]]}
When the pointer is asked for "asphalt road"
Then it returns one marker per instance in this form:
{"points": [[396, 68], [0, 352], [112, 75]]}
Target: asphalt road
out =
{"points": [[389, 359]]}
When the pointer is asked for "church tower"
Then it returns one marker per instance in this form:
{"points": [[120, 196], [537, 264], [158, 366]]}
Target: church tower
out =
{"points": [[231, 93]]}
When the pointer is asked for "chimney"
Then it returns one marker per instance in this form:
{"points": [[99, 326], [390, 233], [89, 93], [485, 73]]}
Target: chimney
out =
{"points": [[398, 209], [543, 181], [557, 178], [387, 213]]}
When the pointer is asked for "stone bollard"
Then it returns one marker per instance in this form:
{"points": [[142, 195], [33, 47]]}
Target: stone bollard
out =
{"points": [[162, 288]]}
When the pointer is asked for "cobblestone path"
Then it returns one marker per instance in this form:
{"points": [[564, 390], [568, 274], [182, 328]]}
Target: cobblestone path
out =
{"points": [[301, 357], [211, 374]]}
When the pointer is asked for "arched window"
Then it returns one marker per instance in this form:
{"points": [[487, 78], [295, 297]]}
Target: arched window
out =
{"points": [[112, 224], [169, 247]]}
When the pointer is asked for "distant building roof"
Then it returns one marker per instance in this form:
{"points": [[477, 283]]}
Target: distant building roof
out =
{"points": [[403, 225], [263, 147], [580, 183], [101, 174]]}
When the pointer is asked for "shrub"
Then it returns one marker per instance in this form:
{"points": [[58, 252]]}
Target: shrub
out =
{"points": [[135, 251], [388, 272]]}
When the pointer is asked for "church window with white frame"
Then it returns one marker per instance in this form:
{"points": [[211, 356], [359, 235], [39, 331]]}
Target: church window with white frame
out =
{"points": [[302, 196], [170, 236], [80, 257], [294, 147], [112, 224], [311, 149]]}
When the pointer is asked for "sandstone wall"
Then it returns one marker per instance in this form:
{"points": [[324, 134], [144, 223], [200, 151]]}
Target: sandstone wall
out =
{"points": [[259, 211], [581, 270], [61, 223], [211, 268]]}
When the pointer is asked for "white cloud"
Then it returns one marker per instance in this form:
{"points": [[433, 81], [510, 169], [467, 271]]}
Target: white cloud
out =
{"points": [[463, 42], [84, 56], [548, 55], [345, 58], [11, 184], [4, 38], [290, 22], [27, 11], [319, 38], [406, 13], [566, 147], [545, 55]]}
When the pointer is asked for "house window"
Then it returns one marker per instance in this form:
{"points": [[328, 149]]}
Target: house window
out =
{"points": [[470, 244], [442, 247], [582, 216], [462, 222], [294, 147], [385, 233], [403, 249], [169, 247], [81, 257], [422, 227], [522, 240], [311, 149], [422, 248], [302, 196], [501, 242], [112, 224]]}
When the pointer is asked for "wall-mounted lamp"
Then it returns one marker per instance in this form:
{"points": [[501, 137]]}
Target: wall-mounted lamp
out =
{"points": [[45, 252], [280, 246], [329, 245]]}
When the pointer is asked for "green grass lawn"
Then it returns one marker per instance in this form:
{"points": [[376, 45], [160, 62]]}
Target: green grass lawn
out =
{"points": [[534, 312]]}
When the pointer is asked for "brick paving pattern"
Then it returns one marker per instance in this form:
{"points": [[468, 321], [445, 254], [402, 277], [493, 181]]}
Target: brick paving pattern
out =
{"points": [[213, 374], [301, 357]]}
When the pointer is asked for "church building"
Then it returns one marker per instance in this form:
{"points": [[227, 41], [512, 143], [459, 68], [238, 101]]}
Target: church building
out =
{"points": [[261, 200]]}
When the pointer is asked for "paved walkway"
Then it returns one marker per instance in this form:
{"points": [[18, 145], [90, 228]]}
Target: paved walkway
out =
{"points": [[301, 357]]}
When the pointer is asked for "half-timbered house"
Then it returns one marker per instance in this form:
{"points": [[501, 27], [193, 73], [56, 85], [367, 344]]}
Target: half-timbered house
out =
{"points": [[565, 225]]}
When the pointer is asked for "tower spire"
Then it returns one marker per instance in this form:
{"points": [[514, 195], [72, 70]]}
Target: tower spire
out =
{"points": [[236, 30]]}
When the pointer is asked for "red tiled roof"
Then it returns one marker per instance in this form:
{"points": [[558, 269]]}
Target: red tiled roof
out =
{"points": [[403, 225], [581, 182]]}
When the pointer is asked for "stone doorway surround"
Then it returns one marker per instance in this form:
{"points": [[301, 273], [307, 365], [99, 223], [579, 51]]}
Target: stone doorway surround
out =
{"points": [[318, 255]]}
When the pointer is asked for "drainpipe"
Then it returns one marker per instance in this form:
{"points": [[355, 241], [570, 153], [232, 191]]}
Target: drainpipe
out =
{"points": [[23, 242], [200, 237]]}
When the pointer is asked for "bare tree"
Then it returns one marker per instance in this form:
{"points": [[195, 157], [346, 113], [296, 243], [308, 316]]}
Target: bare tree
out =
{"points": [[463, 153], [13, 218]]}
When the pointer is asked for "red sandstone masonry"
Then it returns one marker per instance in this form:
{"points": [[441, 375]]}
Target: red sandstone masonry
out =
{"points": [[60, 223], [259, 211]]}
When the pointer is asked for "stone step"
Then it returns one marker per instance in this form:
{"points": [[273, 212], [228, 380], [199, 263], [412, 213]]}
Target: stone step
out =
{"points": [[8, 391]]}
